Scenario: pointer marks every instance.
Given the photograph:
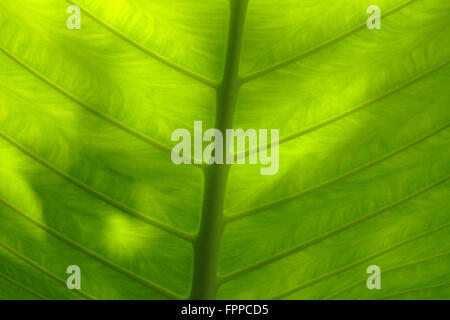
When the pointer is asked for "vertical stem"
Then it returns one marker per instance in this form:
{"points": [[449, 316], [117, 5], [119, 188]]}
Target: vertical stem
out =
{"points": [[207, 244]]}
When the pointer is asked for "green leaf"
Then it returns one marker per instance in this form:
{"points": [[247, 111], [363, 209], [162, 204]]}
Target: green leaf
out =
{"points": [[86, 176]]}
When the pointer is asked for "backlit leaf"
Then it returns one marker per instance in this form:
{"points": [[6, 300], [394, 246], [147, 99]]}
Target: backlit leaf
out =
{"points": [[86, 176]]}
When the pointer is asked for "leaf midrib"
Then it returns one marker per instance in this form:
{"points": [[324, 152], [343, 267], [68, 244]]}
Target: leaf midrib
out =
{"points": [[206, 247]]}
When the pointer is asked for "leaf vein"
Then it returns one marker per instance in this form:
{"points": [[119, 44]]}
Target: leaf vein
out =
{"points": [[323, 45], [22, 286], [83, 104], [416, 262], [92, 254], [415, 290], [237, 216], [345, 114], [356, 263], [97, 194], [153, 55], [328, 235], [43, 270]]}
